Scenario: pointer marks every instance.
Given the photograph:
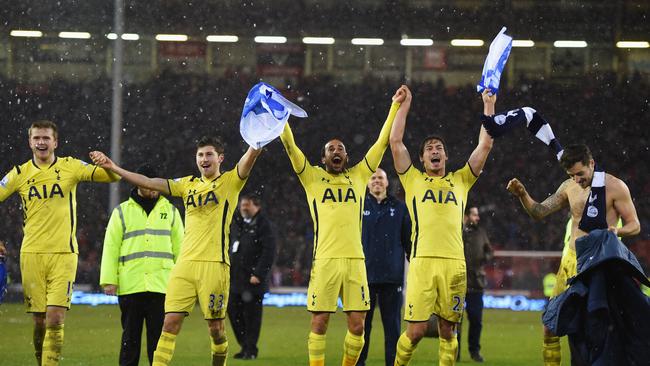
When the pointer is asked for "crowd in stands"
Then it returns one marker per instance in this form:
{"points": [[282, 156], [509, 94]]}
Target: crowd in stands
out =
{"points": [[164, 117]]}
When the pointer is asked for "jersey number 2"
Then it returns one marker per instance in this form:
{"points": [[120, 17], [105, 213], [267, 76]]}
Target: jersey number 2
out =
{"points": [[457, 300]]}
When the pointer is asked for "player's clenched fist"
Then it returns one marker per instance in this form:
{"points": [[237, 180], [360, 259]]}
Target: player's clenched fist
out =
{"points": [[516, 187], [402, 95], [100, 159], [97, 157], [488, 97]]}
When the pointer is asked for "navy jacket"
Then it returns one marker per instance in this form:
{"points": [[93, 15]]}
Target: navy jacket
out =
{"points": [[386, 237], [252, 251], [604, 312]]}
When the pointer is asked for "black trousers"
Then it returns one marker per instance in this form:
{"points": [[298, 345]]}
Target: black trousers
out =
{"points": [[148, 307], [474, 309], [245, 315], [389, 298]]}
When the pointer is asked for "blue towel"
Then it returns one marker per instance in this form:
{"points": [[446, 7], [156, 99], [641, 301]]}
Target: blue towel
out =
{"points": [[264, 115], [495, 62]]}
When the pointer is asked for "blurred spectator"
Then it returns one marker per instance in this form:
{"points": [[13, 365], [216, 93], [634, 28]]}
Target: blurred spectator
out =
{"points": [[252, 250], [478, 252]]}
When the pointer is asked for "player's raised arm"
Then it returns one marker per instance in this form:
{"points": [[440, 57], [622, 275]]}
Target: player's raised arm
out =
{"points": [[401, 157], [297, 157], [247, 161], [625, 208], [536, 210], [485, 141], [156, 184], [376, 151]]}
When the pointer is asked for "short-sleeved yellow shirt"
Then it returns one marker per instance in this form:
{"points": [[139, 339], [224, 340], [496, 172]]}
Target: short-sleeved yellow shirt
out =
{"points": [[209, 206], [49, 203], [436, 206]]}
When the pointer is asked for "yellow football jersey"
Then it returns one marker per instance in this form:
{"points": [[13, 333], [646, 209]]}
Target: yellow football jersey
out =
{"points": [[49, 202], [436, 206], [209, 206], [336, 201], [567, 237], [336, 207]]}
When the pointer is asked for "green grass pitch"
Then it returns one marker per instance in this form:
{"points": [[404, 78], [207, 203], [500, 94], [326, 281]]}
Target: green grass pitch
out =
{"points": [[92, 336]]}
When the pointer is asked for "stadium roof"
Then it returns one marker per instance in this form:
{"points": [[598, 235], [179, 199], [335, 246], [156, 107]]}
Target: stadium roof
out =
{"points": [[594, 21]]}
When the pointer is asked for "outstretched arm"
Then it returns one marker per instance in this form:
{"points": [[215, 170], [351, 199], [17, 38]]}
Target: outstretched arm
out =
{"points": [[485, 141], [247, 161], [102, 175], [376, 152], [401, 157], [625, 208], [156, 184], [536, 210], [297, 157]]}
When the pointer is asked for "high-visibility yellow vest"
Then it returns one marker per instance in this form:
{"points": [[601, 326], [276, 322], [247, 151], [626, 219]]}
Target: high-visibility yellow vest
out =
{"points": [[549, 284], [139, 249]]}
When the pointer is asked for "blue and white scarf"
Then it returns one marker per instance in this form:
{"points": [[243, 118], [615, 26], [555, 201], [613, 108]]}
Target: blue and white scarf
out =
{"points": [[594, 215], [264, 115], [501, 124]]}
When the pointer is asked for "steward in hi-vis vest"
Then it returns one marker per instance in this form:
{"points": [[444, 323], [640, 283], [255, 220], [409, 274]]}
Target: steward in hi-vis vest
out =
{"points": [[142, 243]]}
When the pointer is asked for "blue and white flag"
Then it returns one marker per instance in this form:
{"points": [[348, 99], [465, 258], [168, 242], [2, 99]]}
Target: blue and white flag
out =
{"points": [[265, 113], [495, 62]]}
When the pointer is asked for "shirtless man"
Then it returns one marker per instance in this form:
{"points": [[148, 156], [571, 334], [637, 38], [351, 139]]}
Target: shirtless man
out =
{"points": [[574, 192]]}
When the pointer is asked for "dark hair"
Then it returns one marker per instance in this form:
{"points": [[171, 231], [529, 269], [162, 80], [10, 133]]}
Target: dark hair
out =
{"points": [[322, 149], [210, 141], [433, 137], [468, 208], [43, 123], [578, 153], [147, 170], [253, 197]]}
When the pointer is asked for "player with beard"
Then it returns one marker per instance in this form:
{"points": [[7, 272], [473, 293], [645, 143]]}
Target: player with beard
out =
{"points": [[335, 197], [436, 199], [574, 193]]}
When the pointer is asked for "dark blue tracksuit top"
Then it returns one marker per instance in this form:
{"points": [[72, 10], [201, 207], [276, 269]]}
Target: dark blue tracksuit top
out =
{"points": [[386, 236]]}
